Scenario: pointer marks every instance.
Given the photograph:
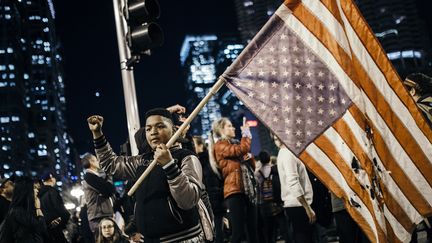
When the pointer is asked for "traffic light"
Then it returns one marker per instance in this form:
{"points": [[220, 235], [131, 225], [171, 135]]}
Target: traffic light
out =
{"points": [[142, 33]]}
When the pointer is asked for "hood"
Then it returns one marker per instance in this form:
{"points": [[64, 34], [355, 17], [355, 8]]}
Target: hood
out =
{"points": [[44, 189]]}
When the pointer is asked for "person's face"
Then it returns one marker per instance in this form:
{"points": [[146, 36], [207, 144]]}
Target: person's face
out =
{"points": [[228, 130], [158, 130], [8, 188], [198, 147], [277, 142], [107, 227]]}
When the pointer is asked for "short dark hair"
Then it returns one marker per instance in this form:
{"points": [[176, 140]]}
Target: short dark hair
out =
{"points": [[85, 160], [264, 157], [159, 112]]}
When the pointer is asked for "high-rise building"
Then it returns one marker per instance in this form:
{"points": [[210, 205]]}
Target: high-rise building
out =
{"points": [[403, 35], [33, 136], [252, 15]]}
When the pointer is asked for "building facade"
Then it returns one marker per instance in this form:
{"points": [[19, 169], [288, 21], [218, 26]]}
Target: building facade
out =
{"points": [[402, 33], [32, 107]]}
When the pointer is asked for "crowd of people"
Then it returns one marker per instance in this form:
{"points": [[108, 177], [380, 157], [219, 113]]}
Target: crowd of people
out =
{"points": [[198, 191]]}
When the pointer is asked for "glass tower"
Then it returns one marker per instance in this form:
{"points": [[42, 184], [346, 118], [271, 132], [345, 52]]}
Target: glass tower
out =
{"points": [[33, 136]]}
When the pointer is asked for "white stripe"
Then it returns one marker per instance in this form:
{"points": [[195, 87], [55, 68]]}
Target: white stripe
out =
{"points": [[333, 26], [361, 101], [398, 229], [383, 87], [388, 181], [318, 155], [347, 155]]}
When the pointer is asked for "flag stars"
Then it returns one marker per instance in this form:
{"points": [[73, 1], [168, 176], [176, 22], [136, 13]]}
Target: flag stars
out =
{"points": [[283, 36], [284, 48], [286, 109], [285, 73], [320, 74], [263, 96], [263, 107], [332, 100], [261, 73], [320, 86], [296, 61], [297, 73], [275, 108], [298, 133], [298, 109], [309, 109], [308, 61], [308, 133], [299, 121], [262, 84], [273, 72], [332, 112], [309, 98], [296, 48], [272, 49], [249, 73], [309, 86], [250, 83], [332, 87], [343, 101], [272, 61], [274, 85], [297, 86], [287, 132], [320, 111], [309, 121], [275, 96], [275, 119], [298, 97], [251, 94], [285, 61], [286, 84], [287, 121], [320, 123], [260, 60], [321, 99], [298, 144], [286, 97], [309, 74]]}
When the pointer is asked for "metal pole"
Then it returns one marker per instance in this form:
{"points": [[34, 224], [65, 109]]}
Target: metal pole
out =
{"points": [[173, 139], [131, 104]]}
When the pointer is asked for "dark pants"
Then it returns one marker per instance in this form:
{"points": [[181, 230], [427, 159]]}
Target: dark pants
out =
{"points": [[302, 230], [347, 228], [266, 225], [241, 211], [218, 220]]}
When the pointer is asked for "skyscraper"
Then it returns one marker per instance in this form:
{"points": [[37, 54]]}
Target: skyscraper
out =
{"points": [[403, 35], [253, 14], [33, 135], [204, 58]]}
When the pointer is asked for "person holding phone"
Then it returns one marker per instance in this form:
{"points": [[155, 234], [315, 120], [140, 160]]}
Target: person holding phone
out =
{"points": [[229, 155]]}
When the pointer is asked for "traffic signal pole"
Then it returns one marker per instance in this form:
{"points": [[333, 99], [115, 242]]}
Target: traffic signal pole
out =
{"points": [[129, 92]]}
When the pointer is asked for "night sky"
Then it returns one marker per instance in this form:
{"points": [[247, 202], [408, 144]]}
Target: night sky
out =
{"points": [[86, 30]]}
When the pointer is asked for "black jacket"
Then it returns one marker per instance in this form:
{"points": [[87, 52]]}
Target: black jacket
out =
{"points": [[214, 185], [4, 208], [52, 206], [22, 227]]}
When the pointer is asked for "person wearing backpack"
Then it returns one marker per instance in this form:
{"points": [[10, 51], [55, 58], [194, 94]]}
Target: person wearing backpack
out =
{"points": [[267, 209]]}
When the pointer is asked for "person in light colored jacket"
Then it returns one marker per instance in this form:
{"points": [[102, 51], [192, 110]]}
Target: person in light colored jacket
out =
{"points": [[296, 193]]}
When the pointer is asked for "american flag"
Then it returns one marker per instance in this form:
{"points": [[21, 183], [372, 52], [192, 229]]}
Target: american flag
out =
{"points": [[316, 76]]}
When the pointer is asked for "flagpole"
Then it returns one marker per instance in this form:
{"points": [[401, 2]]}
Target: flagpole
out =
{"points": [[186, 123]]}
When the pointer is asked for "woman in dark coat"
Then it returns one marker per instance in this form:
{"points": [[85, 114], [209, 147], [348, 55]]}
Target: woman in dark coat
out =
{"points": [[25, 222]]}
